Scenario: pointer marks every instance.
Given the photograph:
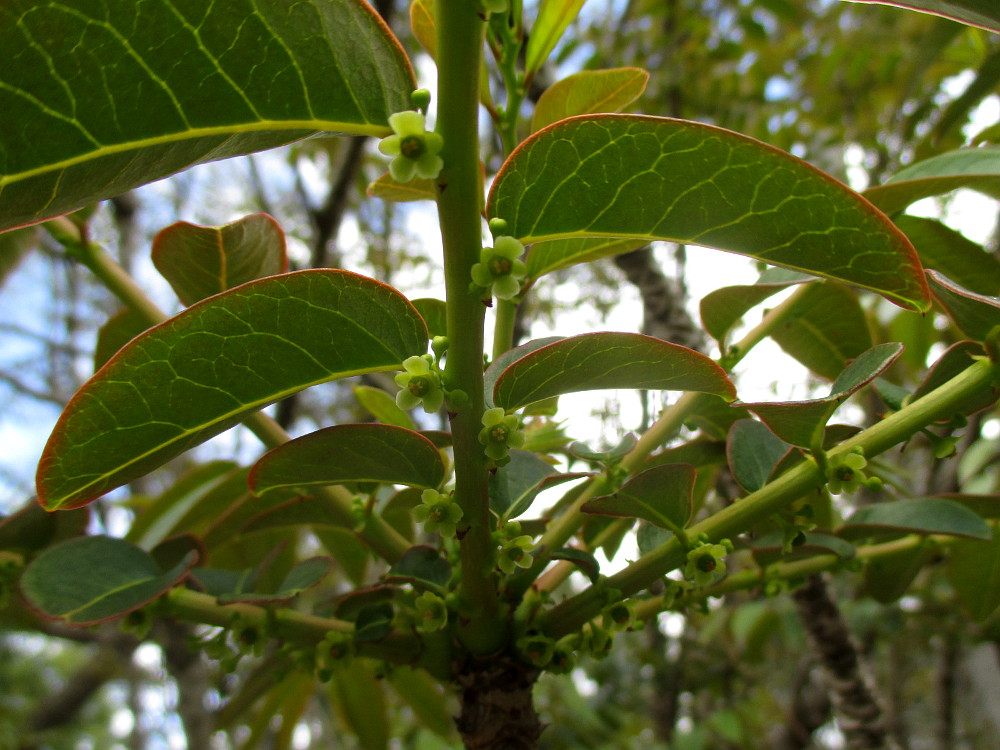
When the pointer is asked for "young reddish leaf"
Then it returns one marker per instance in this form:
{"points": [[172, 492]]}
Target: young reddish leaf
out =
{"points": [[169, 87], [801, 422], [824, 329], [975, 314], [91, 579], [589, 92], [350, 453], [201, 261], [975, 168], [640, 177], [930, 515], [594, 361], [984, 13], [661, 495], [203, 371]]}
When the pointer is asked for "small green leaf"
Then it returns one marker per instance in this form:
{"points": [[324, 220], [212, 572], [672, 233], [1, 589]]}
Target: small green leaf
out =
{"points": [[661, 495], [984, 13], [553, 18], [382, 406], [594, 361], [800, 422], [583, 560], [313, 512], [358, 694], [374, 623], [435, 314], [168, 86], [350, 453], [974, 572], [956, 359], [388, 189], [426, 697], [589, 92], [119, 329], [91, 579], [943, 249], [754, 452], [514, 486], [206, 369], [975, 314], [640, 177], [975, 168], [422, 566], [201, 261], [302, 577], [888, 576], [929, 515], [722, 309], [30, 528], [769, 548], [824, 329]]}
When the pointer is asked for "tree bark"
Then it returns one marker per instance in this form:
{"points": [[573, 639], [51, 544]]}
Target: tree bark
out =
{"points": [[498, 712]]}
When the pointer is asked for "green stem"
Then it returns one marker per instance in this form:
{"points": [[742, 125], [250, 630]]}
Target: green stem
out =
{"points": [[790, 486], [461, 32], [382, 538], [503, 329]]}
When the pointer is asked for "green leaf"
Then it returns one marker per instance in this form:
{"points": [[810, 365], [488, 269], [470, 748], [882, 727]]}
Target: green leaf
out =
{"points": [[640, 177], [723, 309], [91, 579], [956, 359], [583, 560], [434, 312], [314, 512], [589, 92], [801, 422], [943, 249], [30, 528], [374, 623], [546, 257], [661, 495], [382, 406], [929, 515], [94, 103], [209, 367], [984, 13], [424, 567], [119, 329], [974, 168], [426, 697], [888, 576], [769, 548], [350, 453], [553, 18], [974, 572], [754, 451], [388, 189], [594, 361], [824, 329], [302, 577], [14, 247], [201, 261], [357, 693], [514, 486], [505, 360], [975, 314]]}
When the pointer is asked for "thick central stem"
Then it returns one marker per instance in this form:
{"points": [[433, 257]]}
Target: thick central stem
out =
{"points": [[460, 33]]}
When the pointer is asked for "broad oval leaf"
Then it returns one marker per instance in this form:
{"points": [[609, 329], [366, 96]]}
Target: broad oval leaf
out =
{"points": [[201, 261], [661, 495], [975, 314], [91, 579], [931, 515], [302, 577], [588, 92], [350, 453], [553, 18], [206, 369], [974, 572], [382, 406], [168, 86], [984, 13], [753, 452], [594, 361], [422, 566], [974, 168], [641, 177], [515, 485], [943, 249], [724, 308], [546, 257]]}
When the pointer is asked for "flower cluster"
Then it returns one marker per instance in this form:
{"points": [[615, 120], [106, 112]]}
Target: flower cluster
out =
{"points": [[420, 384], [500, 433], [706, 563], [438, 513], [500, 270], [845, 474], [415, 151]]}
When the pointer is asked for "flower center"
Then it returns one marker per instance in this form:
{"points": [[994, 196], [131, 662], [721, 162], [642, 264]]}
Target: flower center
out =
{"points": [[438, 513], [500, 266], [515, 553], [706, 563], [845, 473], [499, 434], [419, 386], [412, 146]]}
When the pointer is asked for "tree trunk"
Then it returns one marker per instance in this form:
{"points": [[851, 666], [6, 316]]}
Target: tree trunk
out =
{"points": [[497, 708]]}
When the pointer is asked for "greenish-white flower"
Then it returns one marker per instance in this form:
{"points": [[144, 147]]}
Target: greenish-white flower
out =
{"points": [[431, 612], [706, 563], [845, 473], [438, 513], [500, 433], [515, 553], [420, 384], [414, 150], [500, 269]]}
